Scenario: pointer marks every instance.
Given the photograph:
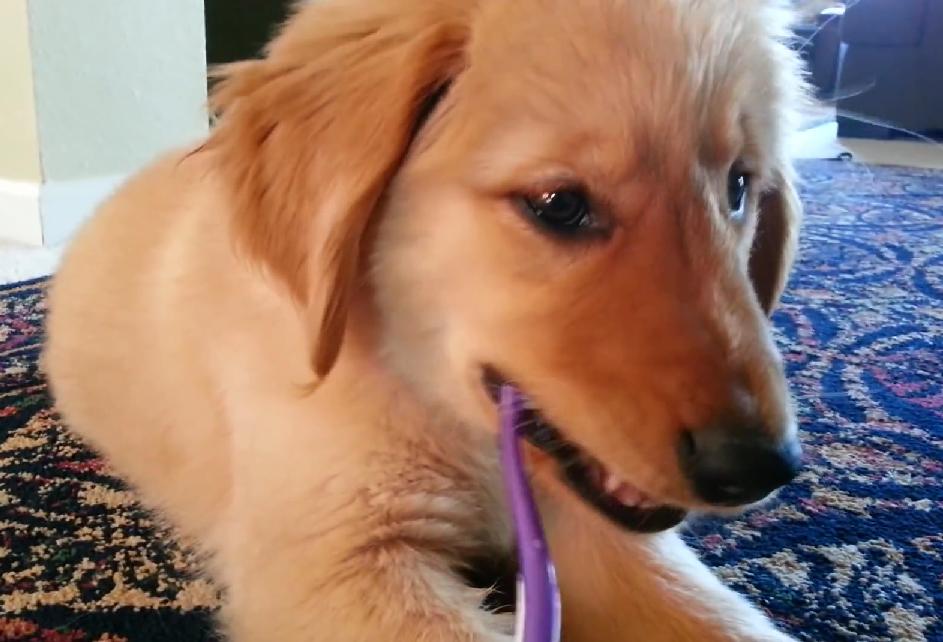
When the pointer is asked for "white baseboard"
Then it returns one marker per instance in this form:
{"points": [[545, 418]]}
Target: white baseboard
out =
{"points": [[50, 213], [65, 205], [20, 221], [820, 141]]}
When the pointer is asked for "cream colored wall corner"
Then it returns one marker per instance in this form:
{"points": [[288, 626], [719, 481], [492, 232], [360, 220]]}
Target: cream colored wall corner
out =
{"points": [[19, 139], [93, 90]]}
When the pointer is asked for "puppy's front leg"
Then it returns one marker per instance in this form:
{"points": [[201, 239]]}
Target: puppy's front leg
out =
{"points": [[297, 574], [300, 590], [650, 588]]}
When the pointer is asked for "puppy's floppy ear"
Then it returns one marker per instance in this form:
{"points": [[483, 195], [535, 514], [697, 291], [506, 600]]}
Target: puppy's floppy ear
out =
{"points": [[309, 137], [774, 245]]}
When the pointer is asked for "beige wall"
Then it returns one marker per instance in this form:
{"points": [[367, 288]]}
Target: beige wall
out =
{"points": [[19, 142], [91, 91], [117, 82], [97, 88]]}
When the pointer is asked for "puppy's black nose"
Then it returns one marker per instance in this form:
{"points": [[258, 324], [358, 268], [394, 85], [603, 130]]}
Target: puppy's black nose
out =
{"points": [[733, 468]]}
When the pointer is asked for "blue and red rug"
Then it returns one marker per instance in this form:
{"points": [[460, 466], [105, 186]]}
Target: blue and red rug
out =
{"points": [[853, 551]]}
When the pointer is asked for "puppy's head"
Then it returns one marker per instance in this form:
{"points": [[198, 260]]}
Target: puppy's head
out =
{"points": [[598, 208]]}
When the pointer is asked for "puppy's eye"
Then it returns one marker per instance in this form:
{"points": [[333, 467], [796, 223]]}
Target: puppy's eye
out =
{"points": [[563, 212], [738, 184]]}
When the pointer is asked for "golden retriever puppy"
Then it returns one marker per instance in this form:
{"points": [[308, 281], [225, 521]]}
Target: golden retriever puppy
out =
{"points": [[287, 336]]}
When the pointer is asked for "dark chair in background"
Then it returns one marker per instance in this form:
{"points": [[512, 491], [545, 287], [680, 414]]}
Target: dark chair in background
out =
{"points": [[819, 43], [239, 29], [895, 47]]}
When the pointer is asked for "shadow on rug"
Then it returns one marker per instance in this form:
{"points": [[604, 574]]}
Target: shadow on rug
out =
{"points": [[852, 551]]}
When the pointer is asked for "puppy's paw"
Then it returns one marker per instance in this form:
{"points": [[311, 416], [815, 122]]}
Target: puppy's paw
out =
{"points": [[754, 634], [771, 635]]}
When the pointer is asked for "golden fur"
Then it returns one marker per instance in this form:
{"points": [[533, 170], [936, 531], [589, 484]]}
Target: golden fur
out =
{"points": [[277, 334]]}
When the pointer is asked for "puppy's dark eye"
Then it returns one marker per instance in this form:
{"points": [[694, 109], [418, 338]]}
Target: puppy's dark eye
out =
{"points": [[738, 184], [562, 212]]}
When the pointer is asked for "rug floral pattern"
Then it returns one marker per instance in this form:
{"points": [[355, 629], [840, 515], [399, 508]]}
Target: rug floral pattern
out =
{"points": [[852, 551]]}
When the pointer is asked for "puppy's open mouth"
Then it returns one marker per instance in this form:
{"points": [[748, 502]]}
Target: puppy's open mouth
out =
{"points": [[612, 496]]}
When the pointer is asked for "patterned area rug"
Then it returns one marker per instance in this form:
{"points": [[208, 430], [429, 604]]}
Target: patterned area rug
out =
{"points": [[853, 551]]}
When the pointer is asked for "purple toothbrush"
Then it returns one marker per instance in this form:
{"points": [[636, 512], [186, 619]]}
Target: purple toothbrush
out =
{"points": [[538, 597]]}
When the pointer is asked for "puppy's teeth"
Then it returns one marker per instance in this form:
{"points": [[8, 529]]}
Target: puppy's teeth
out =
{"points": [[597, 475], [629, 496], [613, 484]]}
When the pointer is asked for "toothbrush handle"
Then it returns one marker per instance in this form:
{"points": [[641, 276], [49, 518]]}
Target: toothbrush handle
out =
{"points": [[539, 598]]}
